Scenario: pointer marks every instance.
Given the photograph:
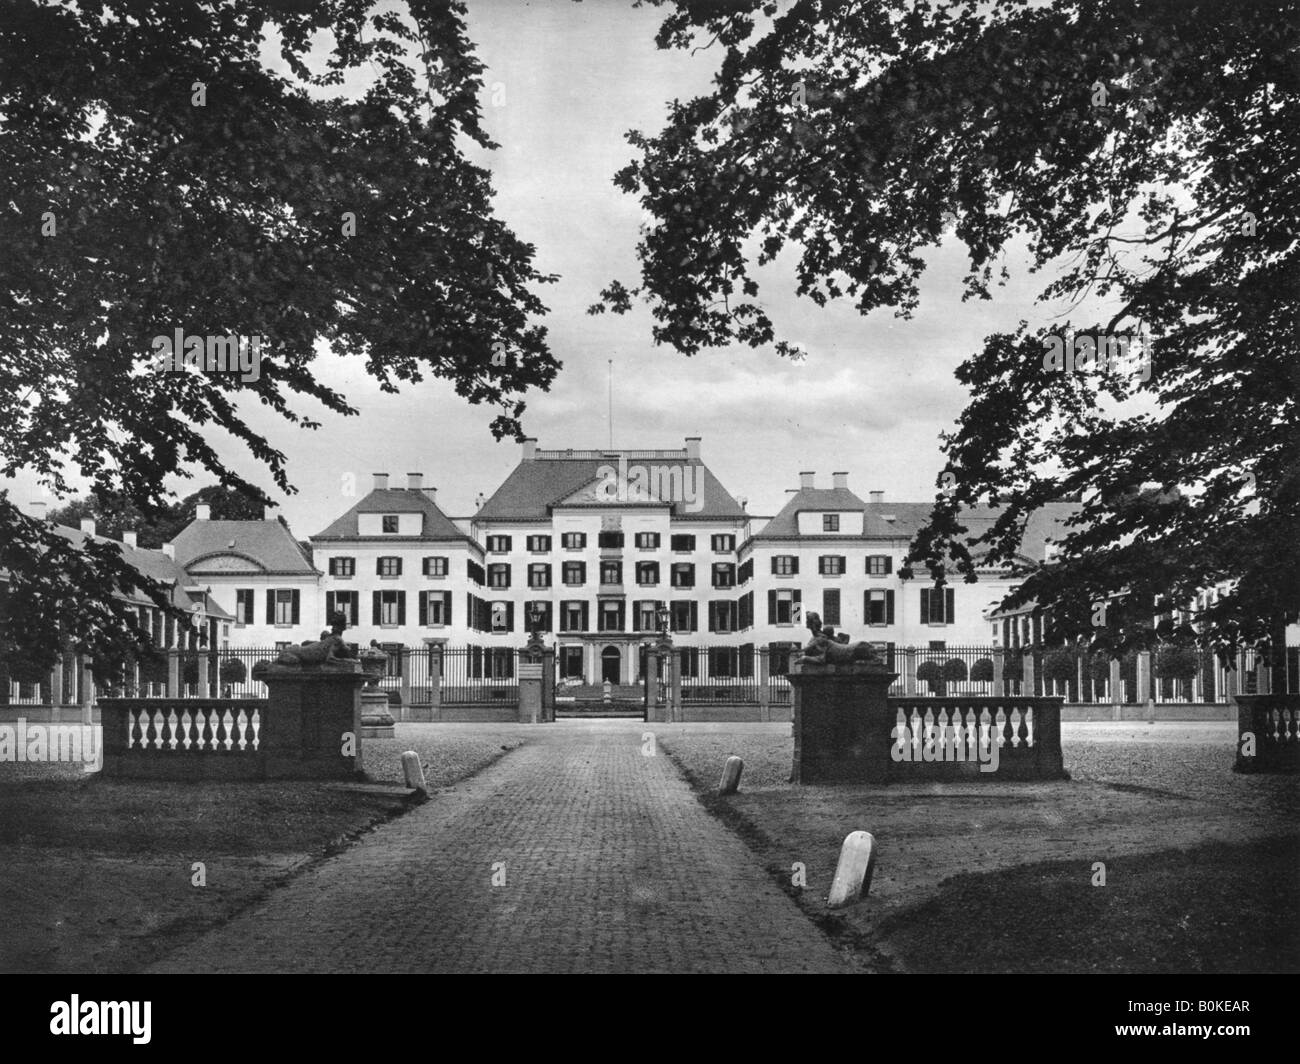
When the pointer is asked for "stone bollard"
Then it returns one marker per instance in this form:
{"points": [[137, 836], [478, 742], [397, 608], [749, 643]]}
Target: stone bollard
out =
{"points": [[853, 873], [731, 775], [414, 773]]}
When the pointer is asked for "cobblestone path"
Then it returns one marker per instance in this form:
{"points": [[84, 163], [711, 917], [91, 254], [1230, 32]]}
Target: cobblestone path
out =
{"points": [[602, 858]]}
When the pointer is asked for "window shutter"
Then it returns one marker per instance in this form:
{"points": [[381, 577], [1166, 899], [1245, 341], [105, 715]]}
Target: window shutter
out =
{"points": [[377, 599], [925, 605], [424, 608], [294, 607], [270, 606], [889, 565], [585, 617], [636, 616], [794, 565], [695, 617], [771, 607], [889, 607], [797, 610], [948, 597], [842, 564], [379, 566], [713, 616], [329, 607], [510, 616], [401, 607]]}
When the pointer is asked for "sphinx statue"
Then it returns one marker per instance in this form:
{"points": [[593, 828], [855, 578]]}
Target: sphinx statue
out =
{"points": [[827, 647], [327, 654]]}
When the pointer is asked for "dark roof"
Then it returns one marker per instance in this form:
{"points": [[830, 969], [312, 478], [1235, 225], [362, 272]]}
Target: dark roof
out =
{"points": [[151, 563], [267, 544], [437, 525], [1048, 522], [537, 485]]}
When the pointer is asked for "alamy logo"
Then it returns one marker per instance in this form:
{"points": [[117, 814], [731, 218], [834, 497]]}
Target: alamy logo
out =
{"points": [[944, 744], [73, 743], [658, 483], [209, 354], [102, 1017]]}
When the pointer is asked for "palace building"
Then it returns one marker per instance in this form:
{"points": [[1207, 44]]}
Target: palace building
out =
{"points": [[598, 550]]}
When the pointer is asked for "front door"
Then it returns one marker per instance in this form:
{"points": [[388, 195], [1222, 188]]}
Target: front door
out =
{"points": [[610, 660]]}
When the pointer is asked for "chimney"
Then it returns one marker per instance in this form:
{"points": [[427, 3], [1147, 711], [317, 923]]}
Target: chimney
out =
{"points": [[169, 550], [129, 539], [478, 502], [37, 507], [806, 480], [742, 502], [88, 525], [381, 482], [203, 512], [840, 480], [414, 481], [877, 497], [693, 448], [530, 448], [433, 495]]}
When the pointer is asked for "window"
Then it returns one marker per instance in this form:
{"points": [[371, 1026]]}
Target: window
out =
{"points": [[435, 608], [683, 574], [685, 616], [878, 608], [722, 617], [503, 616], [539, 544], [539, 575], [498, 544], [571, 663], [282, 606], [647, 541], [611, 573], [575, 573], [647, 573], [344, 602], [244, 606], [683, 543], [724, 574], [785, 565], [343, 566], [831, 564], [435, 566], [937, 605], [574, 540], [722, 662], [830, 522], [831, 606], [389, 566], [498, 575], [783, 607], [610, 617], [389, 524], [573, 616], [389, 608], [723, 544], [645, 615], [610, 539], [879, 565], [393, 666]]}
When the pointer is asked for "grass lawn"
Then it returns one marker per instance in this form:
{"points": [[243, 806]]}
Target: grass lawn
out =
{"points": [[1201, 864], [96, 875]]}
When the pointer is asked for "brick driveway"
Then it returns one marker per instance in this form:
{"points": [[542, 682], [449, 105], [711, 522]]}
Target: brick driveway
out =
{"points": [[610, 865]]}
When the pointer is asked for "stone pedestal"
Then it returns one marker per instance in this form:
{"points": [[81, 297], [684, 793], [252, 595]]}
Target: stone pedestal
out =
{"points": [[376, 716], [842, 723], [313, 725]]}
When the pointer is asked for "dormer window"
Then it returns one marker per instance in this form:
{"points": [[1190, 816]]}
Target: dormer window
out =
{"points": [[830, 522], [390, 524]]}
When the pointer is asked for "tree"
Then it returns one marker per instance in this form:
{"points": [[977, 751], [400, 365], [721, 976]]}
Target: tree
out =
{"points": [[1142, 152], [156, 177]]}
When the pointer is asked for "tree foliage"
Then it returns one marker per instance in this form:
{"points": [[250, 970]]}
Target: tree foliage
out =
{"points": [[1142, 153], [156, 174]]}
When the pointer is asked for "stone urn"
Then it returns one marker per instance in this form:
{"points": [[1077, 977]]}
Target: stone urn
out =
{"points": [[376, 719]]}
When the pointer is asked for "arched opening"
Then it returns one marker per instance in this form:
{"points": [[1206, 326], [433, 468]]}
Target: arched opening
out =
{"points": [[610, 660]]}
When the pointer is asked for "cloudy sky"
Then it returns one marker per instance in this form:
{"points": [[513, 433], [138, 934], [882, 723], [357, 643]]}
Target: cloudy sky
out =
{"points": [[572, 78]]}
